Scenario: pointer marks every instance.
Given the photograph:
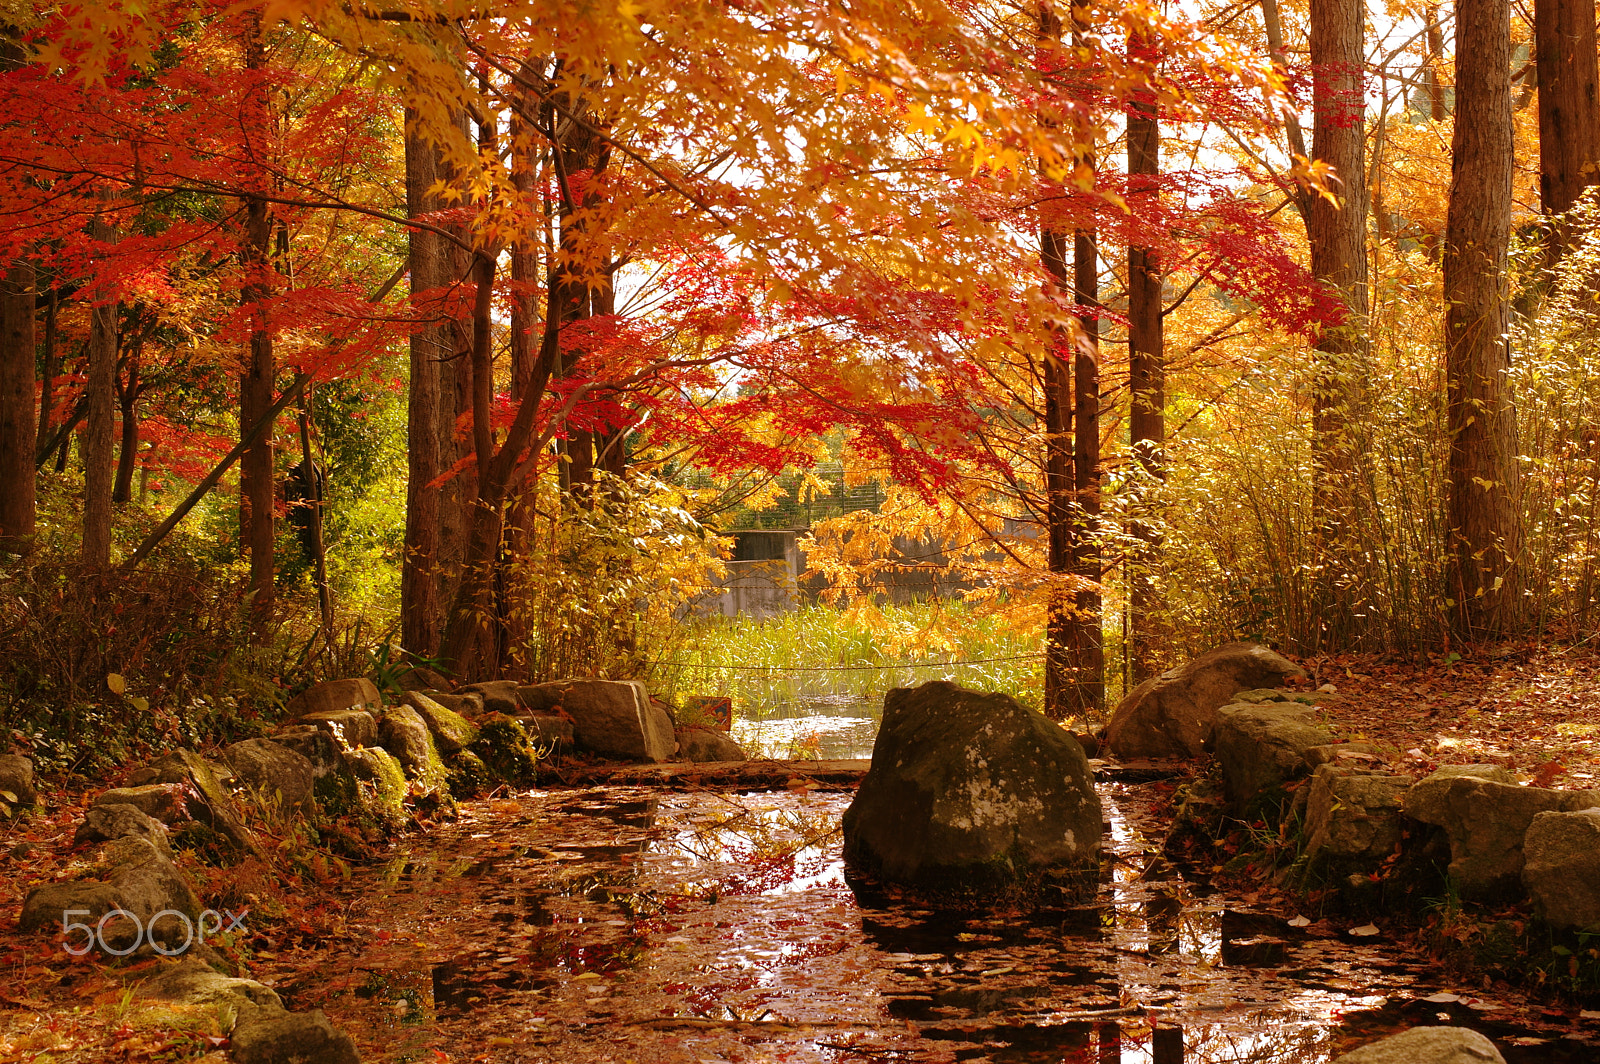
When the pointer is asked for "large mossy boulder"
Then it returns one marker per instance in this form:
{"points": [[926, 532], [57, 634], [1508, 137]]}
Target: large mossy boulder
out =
{"points": [[1172, 715], [382, 785], [971, 796], [612, 718], [280, 777], [505, 748], [1260, 748], [1486, 819], [497, 696], [406, 735], [1427, 1045], [451, 731]]}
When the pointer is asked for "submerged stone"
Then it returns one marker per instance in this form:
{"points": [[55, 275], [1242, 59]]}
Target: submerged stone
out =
{"points": [[972, 795]]}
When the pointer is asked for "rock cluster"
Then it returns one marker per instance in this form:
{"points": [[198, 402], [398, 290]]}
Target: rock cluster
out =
{"points": [[341, 753]]}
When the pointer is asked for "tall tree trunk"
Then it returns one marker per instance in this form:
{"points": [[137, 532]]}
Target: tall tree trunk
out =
{"points": [[1338, 238], [1146, 384], [257, 517], [457, 493], [96, 442], [18, 436], [421, 609], [1485, 582], [128, 448], [1060, 667], [1085, 637], [1568, 69], [1436, 107]]}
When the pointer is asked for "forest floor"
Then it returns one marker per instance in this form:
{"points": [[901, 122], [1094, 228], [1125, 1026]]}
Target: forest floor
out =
{"points": [[1535, 710]]}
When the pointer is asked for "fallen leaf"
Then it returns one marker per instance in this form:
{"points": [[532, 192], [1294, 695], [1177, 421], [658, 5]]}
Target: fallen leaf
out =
{"points": [[1365, 930], [1441, 998], [1299, 921]]}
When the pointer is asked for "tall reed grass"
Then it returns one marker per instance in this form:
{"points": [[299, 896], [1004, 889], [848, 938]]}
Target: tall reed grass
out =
{"points": [[819, 655]]}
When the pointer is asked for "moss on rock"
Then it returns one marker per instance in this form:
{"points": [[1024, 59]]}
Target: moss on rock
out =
{"points": [[466, 774], [382, 784], [506, 749]]}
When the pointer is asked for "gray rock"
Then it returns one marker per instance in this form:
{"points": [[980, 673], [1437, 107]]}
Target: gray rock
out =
{"points": [[1353, 754], [279, 775], [191, 981], [499, 696], [418, 678], [1486, 822], [1561, 867], [166, 802], [351, 728], [104, 823], [549, 732], [404, 733], [1427, 1045], [1261, 747], [1172, 715], [972, 794], [1427, 800], [139, 879], [612, 718], [451, 731], [16, 778], [708, 744], [468, 705], [268, 1037], [333, 783], [1353, 816], [333, 696], [207, 800], [384, 789]]}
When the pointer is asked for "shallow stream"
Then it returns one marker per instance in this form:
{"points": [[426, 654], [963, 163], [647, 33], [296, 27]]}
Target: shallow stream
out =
{"points": [[624, 924]]}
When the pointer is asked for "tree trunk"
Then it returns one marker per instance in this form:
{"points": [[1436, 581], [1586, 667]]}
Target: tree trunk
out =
{"points": [[1484, 583], [1060, 669], [18, 436], [128, 449], [1569, 106], [1338, 238], [1147, 387], [456, 494], [1087, 696], [421, 611], [50, 366], [256, 482], [96, 442]]}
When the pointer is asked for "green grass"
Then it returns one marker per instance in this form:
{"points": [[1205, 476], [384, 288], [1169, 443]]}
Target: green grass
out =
{"points": [[818, 654]]}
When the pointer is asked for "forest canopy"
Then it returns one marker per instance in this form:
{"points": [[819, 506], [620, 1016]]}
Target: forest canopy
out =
{"points": [[464, 333]]}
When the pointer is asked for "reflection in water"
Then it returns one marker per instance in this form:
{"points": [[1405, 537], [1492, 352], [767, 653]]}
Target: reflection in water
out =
{"points": [[621, 923]]}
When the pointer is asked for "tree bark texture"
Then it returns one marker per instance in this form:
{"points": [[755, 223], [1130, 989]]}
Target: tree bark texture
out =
{"points": [[1568, 68], [421, 608], [1147, 387], [257, 494], [96, 442], [1060, 669], [1337, 234], [18, 436], [1483, 515], [128, 447], [1085, 635]]}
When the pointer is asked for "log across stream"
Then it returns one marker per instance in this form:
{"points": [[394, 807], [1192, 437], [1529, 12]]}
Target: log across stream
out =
{"points": [[686, 921]]}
